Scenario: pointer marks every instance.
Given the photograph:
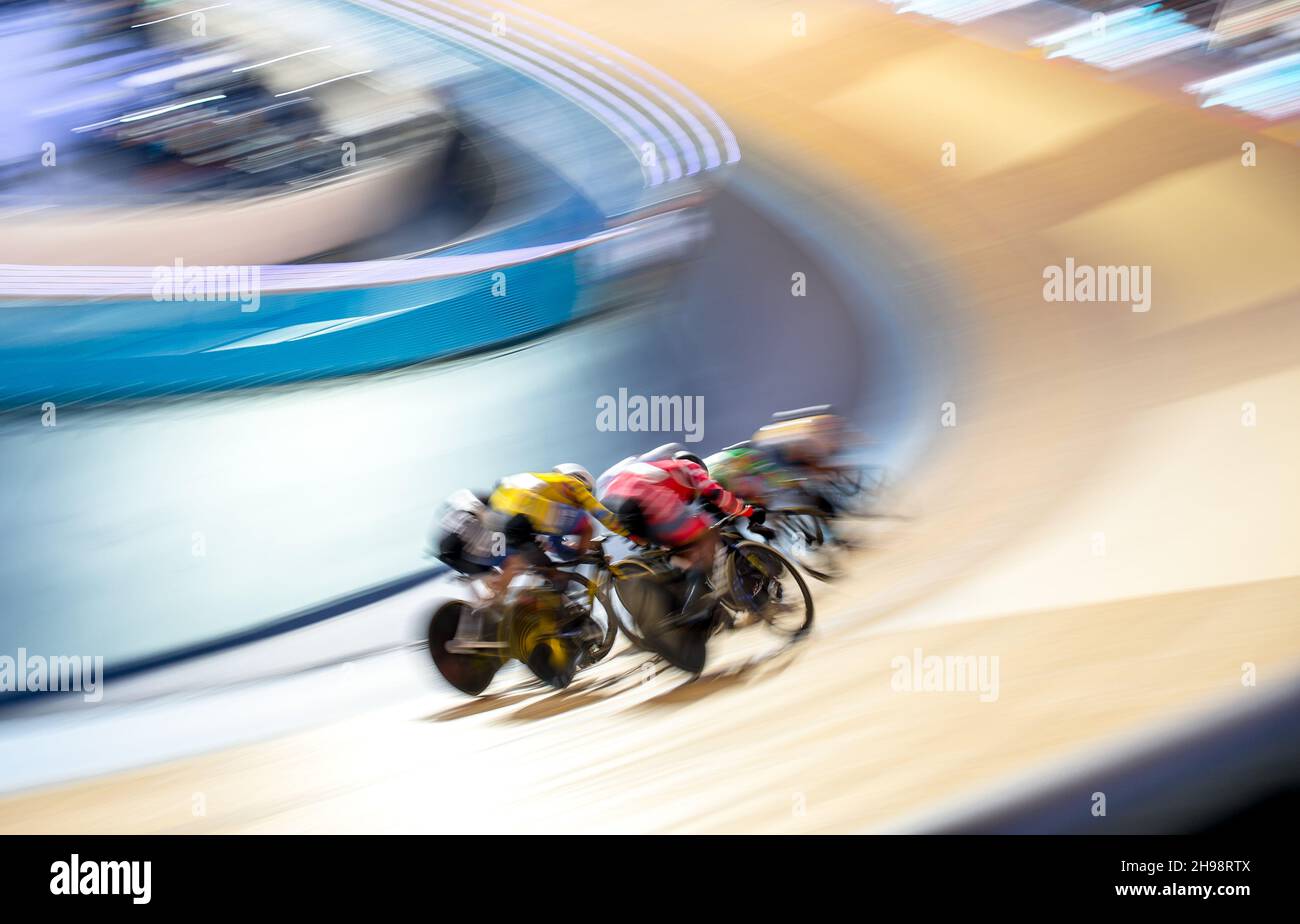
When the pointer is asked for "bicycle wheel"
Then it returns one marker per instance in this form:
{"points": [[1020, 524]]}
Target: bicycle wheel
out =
{"points": [[539, 630], [857, 489], [618, 573], [766, 583], [469, 673], [656, 609], [589, 596], [801, 536], [653, 598]]}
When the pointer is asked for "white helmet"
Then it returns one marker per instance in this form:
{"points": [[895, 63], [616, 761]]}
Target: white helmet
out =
{"points": [[660, 453], [574, 470]]}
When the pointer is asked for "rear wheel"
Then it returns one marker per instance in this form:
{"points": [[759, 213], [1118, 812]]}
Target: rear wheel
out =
{"points": [[802, 535], [856, 490], [653, 600], [469, 673], [762, 581]]}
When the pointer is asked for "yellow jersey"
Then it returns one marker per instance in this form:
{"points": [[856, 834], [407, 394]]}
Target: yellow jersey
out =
{"points": [[555, 504]]}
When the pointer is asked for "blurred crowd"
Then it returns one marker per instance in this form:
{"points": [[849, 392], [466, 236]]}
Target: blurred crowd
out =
{"points": [[170, 99]]}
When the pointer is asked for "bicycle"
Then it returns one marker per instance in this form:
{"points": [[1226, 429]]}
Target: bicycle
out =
{"points": [[855, 490], [544, 623], [805, 535], [754, 580]]}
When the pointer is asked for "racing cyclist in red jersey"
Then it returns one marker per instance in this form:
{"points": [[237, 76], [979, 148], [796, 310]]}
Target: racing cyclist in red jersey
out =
{"points": [[657, 501]]}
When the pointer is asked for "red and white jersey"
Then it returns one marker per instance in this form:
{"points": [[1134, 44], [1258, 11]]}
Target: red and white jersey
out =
{"points": [[681, 477]]}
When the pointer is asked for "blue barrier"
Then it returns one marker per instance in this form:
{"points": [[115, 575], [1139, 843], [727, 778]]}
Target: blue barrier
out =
{"points": [[81, 334], [95, 350]]}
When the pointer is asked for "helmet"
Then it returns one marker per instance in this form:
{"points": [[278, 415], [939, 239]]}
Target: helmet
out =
{"points": [[574, 470], [827, 432], [813, 411], [685, 456], [660, 453], [717, 460]]}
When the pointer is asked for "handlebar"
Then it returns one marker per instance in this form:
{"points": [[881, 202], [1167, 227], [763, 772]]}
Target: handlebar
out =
{"points": [[596, 554]]}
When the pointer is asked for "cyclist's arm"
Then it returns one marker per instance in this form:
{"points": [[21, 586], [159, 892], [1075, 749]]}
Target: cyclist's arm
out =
{"points": [[711, 492], [599, 511]]}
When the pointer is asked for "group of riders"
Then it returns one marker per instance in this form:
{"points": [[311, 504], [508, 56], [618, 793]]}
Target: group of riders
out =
{"points": [[668, 497]]}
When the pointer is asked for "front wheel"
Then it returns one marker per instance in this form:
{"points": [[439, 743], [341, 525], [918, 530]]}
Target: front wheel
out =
{"points": [[586, 597], [540, 630], [626, 596], [762, 581]]}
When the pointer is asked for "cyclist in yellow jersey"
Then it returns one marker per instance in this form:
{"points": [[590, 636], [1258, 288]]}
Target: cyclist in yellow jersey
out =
{"points": [[556, 504]]}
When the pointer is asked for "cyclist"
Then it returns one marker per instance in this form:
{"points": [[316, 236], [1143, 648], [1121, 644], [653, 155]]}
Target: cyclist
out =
{"points": [[803, 442], [654, 455], [465, 540], [750, 472], [657, 500]]}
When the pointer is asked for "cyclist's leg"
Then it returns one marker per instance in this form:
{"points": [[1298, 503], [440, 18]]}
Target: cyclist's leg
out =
{"points": [[680, 526], [521, 551]]}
